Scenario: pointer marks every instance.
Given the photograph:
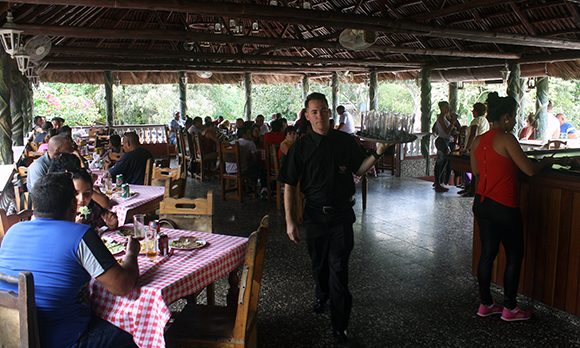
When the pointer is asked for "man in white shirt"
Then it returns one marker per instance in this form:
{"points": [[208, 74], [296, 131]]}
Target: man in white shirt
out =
{"points": [[553, 126], [261, 125], [478, 125], [345, 121]]}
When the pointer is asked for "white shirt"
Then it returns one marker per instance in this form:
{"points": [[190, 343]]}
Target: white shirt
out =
{"points": [[348, 127], [264, 129], [481, 123]]}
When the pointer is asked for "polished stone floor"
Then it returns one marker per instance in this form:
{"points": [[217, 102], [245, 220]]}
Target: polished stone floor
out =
{"points": [[409, 276]]}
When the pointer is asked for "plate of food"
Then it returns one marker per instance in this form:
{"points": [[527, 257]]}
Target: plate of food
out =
{"points": [[114, 247], [187, 243]]}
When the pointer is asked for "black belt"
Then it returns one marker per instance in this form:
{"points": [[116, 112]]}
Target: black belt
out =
{"points": [[331, 209]]}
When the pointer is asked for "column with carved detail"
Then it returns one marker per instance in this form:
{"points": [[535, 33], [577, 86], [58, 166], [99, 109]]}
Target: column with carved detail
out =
{"points": [[6, 154]]}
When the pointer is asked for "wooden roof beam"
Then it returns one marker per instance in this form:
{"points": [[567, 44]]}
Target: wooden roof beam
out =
{"points": [[326, 18], [172, 35], [466, 6]]}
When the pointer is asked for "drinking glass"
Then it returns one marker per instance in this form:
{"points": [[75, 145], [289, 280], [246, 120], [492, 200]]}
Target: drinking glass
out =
{"points": [[139, 227]]}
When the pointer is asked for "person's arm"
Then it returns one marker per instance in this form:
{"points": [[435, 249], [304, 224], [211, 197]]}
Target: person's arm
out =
{"points": [[101, 198], [121, 279], [472, 133], [290, 195], [284, 148], [517, 155], [369, 161], [472, 159], [118, 168]]}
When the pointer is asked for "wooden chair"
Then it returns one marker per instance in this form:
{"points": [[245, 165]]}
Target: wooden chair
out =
{"points": [[148, 172], [216, 326], [230, 153], [188, 214], [273, 169], [203, 162], [18, 317], [6, 221], [21, 195]]}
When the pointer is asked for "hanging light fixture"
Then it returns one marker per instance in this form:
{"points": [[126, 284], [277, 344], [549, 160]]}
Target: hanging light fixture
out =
{"points": [[460, 85], [255, 27], [273, 3], [30, 72], [239, 30], [217, 28], [531, 83], [232, 24], [204, 74], [23, 60], [10, 36], [306, 5]]}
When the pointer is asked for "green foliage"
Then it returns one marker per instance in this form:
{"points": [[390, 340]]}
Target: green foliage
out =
{"points": [[141, 104]]}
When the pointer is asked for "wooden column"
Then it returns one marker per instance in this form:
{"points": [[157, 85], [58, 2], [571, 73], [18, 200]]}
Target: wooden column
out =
{"points": [[183, 94], [426, 115], [28, 106], [109, 97], [248, 86], [335, 87], [6, 154], [515, 89], [542, 100], [305, 87], [373, 91], [453, 91]]}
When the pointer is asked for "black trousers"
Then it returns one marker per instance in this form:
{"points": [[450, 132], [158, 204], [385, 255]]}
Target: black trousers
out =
{"points": [[329, 246], [499, 224]]}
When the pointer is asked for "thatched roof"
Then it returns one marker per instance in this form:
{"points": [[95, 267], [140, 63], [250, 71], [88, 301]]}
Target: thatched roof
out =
{"points": [[457, 39]]}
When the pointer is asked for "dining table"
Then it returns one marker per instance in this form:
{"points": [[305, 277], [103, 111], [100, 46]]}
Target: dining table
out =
{"points": [[143, 199], [144, 312]]}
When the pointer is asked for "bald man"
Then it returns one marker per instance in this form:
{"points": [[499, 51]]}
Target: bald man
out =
{"points": [[133, 163], [56, 145]]}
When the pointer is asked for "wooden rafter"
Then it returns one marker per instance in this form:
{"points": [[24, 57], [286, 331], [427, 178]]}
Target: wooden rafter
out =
{"points": [[334, 19]]}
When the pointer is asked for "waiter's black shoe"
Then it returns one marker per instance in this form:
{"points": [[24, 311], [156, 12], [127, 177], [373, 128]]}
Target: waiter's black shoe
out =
{"points": [[319, 306], [341, 336]]}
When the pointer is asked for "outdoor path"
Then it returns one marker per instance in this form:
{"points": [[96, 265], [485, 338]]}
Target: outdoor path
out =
{"points": [[409, 275]]}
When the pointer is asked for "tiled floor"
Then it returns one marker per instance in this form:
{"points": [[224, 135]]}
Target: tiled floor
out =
{"points": [[409, 276]]}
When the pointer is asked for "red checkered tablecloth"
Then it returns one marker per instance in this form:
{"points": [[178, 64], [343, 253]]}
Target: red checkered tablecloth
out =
{"points": [[144, 312], [144, 195]]}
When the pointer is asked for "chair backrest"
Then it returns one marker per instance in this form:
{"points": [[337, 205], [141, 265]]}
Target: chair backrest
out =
{"points": [[18, 319], [251, 282], [175, 188], [229, 153], [273, 165], [6, 221], [148, 172], [189, 214]]}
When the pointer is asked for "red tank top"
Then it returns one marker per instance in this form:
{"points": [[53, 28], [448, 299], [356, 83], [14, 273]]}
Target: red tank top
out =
{"points": [[498, 175]]}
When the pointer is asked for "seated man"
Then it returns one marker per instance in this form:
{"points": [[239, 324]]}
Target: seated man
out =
{"points": [[251, 168], [63, 257], [567, 130], [276, 136], [133, 163], [56, 145], [197, 126]]}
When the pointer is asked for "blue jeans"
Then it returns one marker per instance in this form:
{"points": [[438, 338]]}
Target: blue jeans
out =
{"points": [[101, 334]]}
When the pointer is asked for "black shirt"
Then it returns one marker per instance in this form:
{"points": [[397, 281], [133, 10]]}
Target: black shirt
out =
{"points": [[132, 166], [324, 166]]}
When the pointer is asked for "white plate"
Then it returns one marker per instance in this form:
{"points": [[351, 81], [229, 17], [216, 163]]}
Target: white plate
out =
{"points": [[199, 243]]}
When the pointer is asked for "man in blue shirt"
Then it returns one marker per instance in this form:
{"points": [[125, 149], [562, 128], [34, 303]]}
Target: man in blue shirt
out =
{"points": [[63, 257], [566, 127], [133, 163]]}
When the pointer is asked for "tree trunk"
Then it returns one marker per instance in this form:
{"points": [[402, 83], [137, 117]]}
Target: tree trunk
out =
{"points": [[183, 93], [542, 100], [109, 98], [515, 89], [248, 86], [335, 87], [6, 154], [426, 115], [373, 91]]}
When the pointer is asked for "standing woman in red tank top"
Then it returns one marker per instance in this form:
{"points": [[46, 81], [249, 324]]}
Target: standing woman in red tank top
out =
{"points": [[496, 160]]}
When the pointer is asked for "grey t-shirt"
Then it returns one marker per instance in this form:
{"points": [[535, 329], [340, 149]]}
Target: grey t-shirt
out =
{"points": [[37, 169]]}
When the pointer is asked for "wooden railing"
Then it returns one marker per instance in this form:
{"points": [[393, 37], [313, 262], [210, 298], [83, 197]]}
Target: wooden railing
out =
{"points": [[413, 149], [148, 134]]}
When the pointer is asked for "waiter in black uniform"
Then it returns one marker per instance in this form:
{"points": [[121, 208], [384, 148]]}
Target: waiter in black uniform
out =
{"points": [[323, 162]]}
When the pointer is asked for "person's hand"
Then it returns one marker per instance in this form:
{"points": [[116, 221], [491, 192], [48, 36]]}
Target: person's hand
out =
{"points": [[293, 232], [133, 247], [79, 219], [110, 219]]}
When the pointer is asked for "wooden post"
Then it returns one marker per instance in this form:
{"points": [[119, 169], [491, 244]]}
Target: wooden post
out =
{"points": [[109, 97], [248, 85], [305, 87], [373, 91], [17, 90], [6, 154], [515, 89], [183, 93], [542, 100], [426, 115], [453, 91], [335, 88]]}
